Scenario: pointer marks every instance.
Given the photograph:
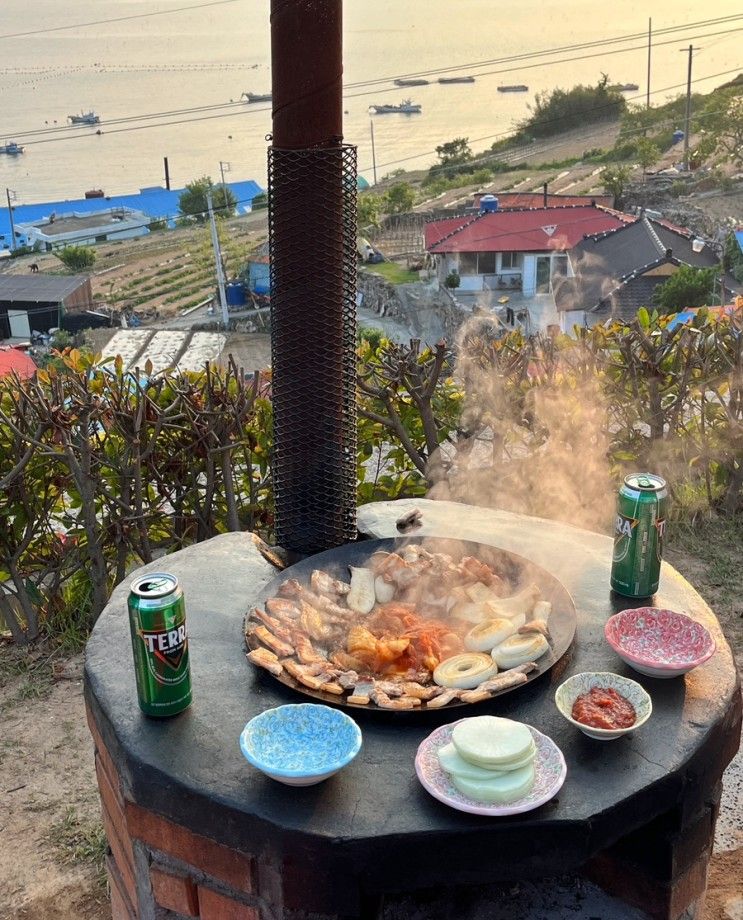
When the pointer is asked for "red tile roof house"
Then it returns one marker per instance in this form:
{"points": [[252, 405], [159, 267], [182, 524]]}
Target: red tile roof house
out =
{"points": [[515, 254]]}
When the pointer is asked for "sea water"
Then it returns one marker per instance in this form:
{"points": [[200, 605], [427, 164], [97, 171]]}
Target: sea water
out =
{"points": [[209, 56]]}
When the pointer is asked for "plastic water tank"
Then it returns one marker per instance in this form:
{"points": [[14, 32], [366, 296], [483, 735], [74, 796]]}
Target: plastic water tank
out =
{"points": [[678, 136], [235, 294], [488, 204]]}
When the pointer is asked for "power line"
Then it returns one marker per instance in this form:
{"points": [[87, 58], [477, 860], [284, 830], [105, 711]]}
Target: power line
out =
{"points": [[548, 121], [98, 22], [239, 106], [549, 51]]}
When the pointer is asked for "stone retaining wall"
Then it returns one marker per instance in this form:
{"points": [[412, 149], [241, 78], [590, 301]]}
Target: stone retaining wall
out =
{"points": [[429, 312]]}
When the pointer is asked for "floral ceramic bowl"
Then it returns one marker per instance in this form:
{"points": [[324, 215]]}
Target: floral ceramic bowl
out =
{"points": [[659, 643], [302, 744], [575, 686]]}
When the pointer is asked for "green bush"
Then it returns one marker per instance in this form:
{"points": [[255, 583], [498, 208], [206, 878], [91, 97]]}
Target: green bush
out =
{"points": [[76, 258], [88, 502], [560, 110], [452, 280]]}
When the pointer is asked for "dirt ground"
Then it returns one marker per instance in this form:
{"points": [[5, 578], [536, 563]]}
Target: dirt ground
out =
{"points": [[52, 842]]}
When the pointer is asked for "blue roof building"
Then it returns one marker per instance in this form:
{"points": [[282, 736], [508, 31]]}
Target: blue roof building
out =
{"points": [[158, 203]]}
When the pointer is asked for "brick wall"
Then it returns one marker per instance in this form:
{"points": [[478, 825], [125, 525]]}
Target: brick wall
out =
{"points": [[159, 870]]}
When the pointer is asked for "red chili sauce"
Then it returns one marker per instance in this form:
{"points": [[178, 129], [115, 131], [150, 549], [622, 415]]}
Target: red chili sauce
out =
{"points": [[604, 708]]}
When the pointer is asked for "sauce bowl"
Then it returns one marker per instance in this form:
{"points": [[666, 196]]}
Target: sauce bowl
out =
{"points": [[569, 691]]}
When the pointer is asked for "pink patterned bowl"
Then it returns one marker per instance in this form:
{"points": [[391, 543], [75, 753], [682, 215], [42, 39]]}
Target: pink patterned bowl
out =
{"points": [[659, 643]]}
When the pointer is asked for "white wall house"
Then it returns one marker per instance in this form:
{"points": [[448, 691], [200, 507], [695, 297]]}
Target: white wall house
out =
{"points": [[527, 272], [59, 230]]}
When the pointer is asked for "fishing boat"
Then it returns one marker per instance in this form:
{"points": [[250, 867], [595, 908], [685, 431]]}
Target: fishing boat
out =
{"points": [[257, 97], [411, 82], [456, 79], [11, 148], [84, 118], [629, 87], [406, 107], [515, 88]]}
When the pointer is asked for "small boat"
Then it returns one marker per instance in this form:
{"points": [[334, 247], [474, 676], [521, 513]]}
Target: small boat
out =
{"points": [[626, 87], [411, 82], [406, 107], [516, 88], [456, 80], [257, 97], [84, 118], [12, 149]]}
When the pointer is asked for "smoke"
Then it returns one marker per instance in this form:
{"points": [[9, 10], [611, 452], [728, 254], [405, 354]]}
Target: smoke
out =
{"points": [[534, 430]]}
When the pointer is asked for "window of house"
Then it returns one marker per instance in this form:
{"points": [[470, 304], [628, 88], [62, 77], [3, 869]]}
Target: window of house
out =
{"points": [[467, 263], [560, 265], [486, 263], [510, 260]]}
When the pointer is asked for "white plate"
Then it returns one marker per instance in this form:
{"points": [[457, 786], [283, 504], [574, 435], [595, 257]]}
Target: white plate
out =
{"points": [[549, 766]]}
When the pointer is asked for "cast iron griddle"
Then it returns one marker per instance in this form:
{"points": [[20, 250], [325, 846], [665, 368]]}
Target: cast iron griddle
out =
{"points": [[518, 570]]}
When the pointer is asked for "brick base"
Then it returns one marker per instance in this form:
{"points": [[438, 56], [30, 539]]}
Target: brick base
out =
{"points": [[187, 874], [160, 869]]}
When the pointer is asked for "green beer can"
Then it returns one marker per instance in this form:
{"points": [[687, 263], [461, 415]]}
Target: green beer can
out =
{"points": [[639, 529], [157, 619]]}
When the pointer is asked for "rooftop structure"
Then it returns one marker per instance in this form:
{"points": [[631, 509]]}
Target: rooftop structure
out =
{"points": [[522, 230], [79, 227], [156, 202], [613, 274]]}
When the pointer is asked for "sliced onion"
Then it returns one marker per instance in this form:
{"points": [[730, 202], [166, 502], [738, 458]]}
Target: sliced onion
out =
{"points": [[465, 671], [519, 649], [361, 597], [486, 635], [384, 590]]}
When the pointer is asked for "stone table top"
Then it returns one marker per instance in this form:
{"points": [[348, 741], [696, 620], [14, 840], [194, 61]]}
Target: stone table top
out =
{"points": [[373, 820]]}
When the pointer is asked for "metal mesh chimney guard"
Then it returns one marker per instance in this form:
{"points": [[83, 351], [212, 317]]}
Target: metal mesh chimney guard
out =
{"points": [[312, 239]]}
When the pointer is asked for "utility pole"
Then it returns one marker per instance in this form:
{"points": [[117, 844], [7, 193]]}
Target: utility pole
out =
{"points": [[223, 168], [374, 156], [8, 193], [218, 257], [167, 173], [650, 43], [692, 49]]}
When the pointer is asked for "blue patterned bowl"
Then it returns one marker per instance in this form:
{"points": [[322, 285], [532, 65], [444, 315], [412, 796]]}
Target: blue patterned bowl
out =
{"points": [[301, 744]]}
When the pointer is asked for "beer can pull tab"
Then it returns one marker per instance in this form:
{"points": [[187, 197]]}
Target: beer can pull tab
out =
{"points": [[644, 482]]}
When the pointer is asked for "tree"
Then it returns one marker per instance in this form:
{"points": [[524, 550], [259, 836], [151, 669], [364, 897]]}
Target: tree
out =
{"points": [[614, 180], [76, 258], [192, 202], [648, 154], [369, 210], [560, 110], [687, 287], [732, 258], [724, 124], [454, 152], [399, 199]]}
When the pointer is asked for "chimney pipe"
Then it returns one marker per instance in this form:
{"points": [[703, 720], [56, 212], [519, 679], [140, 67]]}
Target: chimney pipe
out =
{"points": [[312, 240], [545, 194]]}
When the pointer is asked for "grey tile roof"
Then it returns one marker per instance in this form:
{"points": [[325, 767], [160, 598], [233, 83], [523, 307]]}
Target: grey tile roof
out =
{"points": [[604, 262], [39, 288]]}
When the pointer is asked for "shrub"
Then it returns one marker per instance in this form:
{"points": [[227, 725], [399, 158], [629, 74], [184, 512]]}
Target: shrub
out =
{"points": [[76, 258], [452, 280]]}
